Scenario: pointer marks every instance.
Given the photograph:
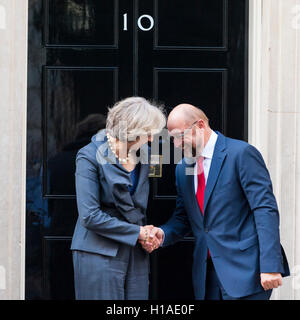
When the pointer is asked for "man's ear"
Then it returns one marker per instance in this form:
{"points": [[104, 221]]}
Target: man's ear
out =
{"points": [[200, 124]]}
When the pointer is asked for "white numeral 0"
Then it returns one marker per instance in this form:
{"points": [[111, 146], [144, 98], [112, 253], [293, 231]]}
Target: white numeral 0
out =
{"points": [[139, 22]]}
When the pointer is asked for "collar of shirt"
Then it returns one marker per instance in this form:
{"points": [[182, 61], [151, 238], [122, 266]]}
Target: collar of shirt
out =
{"points": [[208, 150], [207, 153]]}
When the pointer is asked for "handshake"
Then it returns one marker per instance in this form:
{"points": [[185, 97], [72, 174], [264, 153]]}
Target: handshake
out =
{"points": [[150, 237]]}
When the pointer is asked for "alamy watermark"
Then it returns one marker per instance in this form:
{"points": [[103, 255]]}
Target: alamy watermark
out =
{"points": [[2, 278], [296, 17], [187, 146], [295, 273], [2, 18]]}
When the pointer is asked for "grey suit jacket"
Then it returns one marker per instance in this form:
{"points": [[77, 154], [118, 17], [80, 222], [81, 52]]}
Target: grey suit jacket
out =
{"points": [[107, 214]]}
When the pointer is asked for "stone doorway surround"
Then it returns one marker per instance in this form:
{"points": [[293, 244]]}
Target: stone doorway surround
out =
{"points": [[13, 92], [274, 116]]}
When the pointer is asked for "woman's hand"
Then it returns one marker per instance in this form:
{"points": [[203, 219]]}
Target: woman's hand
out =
{"points": [[144, 232], [147, 240]]}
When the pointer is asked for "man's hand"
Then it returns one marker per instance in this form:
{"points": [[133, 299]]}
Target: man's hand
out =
{"points": [[150, 237], [270, 280], [156, 236]]}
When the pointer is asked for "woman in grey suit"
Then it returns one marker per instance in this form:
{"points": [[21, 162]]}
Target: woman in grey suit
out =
{"points": [[112, 192]]}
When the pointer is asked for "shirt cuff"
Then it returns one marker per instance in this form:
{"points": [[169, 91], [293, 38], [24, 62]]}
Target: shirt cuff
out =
{"points": [[163, 239]]}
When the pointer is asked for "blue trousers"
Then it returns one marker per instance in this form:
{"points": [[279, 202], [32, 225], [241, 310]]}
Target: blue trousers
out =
{"points": [[124, 277], [215, 291]]}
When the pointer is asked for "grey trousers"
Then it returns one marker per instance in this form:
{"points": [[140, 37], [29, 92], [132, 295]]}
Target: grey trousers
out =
{"points": [[124, 277]]}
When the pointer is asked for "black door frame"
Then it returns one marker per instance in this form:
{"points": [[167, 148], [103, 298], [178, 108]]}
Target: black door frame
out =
{"points": [[135, 49]]}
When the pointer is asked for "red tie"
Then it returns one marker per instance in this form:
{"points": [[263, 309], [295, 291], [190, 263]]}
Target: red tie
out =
{"points": [[201, 187], [201, 184]]}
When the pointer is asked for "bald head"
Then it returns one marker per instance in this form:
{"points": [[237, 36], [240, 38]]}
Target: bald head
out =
{"points": [[185, 114]]}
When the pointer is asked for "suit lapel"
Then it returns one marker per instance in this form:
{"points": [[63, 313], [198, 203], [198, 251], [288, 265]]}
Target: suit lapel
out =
{"points": [[215, 168], [117, 175], [137, 196]]}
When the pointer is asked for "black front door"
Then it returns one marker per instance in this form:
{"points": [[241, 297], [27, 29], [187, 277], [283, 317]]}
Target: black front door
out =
{"points": [[84, 55]]}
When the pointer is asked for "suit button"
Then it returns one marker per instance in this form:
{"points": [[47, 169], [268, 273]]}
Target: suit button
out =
{"points": [[206, 230]]}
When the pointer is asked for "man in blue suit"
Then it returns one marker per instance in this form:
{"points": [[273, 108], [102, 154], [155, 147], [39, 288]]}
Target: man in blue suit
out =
{"points": [[225, 197]]}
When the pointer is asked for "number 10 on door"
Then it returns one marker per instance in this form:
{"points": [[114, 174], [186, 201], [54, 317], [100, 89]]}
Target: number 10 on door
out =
{"points": [[140, 21]]}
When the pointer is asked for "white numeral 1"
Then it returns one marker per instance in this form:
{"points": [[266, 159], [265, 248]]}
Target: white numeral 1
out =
{"points": [[125, 22]]}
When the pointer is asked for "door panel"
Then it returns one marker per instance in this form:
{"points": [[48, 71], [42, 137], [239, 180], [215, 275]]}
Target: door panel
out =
{"points": [[73, 96], [57, 277], [82, 22], [192, 86], [84, 55], [191, 25]]}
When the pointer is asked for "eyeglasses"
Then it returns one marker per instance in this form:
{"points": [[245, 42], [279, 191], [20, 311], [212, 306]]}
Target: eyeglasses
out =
{"points": [[182, 134]]}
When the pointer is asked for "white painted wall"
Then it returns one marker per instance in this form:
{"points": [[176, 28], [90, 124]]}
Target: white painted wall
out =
{"points": [[13, 88], [274, 116]]}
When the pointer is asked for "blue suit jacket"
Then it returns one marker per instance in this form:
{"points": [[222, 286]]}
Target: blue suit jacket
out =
{"points": [[240, 225]]}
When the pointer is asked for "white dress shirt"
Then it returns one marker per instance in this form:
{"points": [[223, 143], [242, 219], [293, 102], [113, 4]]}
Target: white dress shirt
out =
{"points": [[207, 154]]}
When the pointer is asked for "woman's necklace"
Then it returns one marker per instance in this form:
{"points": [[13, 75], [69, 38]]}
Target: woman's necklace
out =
{"points": [[113, 149]]}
